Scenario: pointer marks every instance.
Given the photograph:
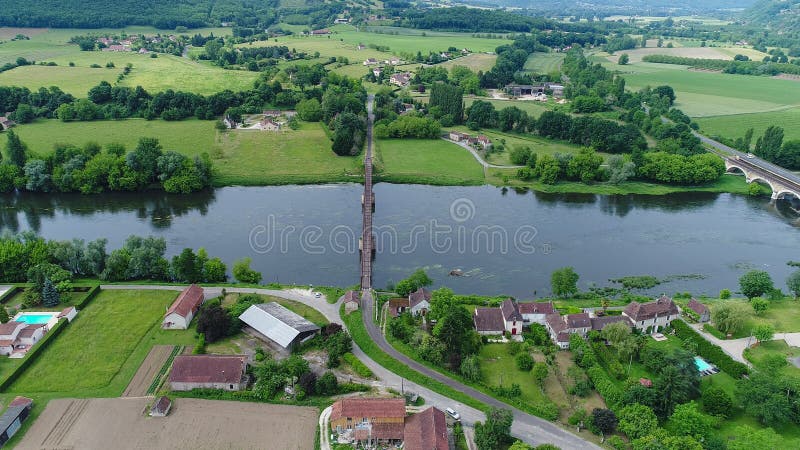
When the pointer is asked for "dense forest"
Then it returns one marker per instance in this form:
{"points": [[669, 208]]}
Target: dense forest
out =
{"points": [[782, 16]]}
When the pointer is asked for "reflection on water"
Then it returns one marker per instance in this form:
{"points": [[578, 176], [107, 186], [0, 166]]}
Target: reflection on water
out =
{"points": [[314, 232]]}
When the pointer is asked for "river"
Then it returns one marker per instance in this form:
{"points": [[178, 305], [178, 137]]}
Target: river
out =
{"points": [[503, 241]]}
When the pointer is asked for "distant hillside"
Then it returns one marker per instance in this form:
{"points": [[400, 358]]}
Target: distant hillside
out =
{"points": [[779, 15], [632, 7]]}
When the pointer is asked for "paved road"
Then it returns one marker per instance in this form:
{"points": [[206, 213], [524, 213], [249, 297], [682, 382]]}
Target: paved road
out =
{"points": [[477, 156], [526, 427], [735, 347]]}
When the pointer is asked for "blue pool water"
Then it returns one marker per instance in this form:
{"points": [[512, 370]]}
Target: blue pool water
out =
{"points": [[34, 318], [701, 364]]}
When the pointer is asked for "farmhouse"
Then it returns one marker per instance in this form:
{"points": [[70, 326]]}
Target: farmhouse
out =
{"points": [[370, 62], [489, 321], [179, 315], [382, 419], [652, 316], [321, 32], [377, 71], [598, 323], [278, 324], [561, 327], [535, 312], [457, 136], [6, 123], [229, 122], [484, 142], [398, 306], [400, 79], [10, 422], [269, 125], [226, 372], [419, 301], [351, 300], [426, 430], [700, 309]]}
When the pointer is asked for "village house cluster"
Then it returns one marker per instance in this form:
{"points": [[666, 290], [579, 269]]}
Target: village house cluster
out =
{"points": [[269, 120], [130, 44], [480, 142]]}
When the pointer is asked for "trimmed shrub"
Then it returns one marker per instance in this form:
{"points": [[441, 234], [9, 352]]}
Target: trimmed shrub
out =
{"points": [[605, 386], [608, 361]]}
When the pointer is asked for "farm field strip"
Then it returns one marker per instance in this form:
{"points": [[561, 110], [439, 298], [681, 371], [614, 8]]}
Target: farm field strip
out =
{"points": [[150, 367]]}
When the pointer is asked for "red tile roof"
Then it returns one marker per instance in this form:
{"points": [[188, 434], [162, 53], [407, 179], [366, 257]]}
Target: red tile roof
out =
{"points": [[426, 430], [20, 401], [643, 311], [188, 301], [382, 431], [510, 310], [418, 296], [697, 307], [357, 408], [351, 296], [580, 320], [489, 319], [208, 369], [536, 308], [645, 382], [555, 322], [7, 329]]}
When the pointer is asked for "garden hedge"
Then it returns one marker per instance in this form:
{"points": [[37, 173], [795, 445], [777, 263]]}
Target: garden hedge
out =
{"points": [[88, 297], [709, 351], [10, 293], [605, 386], [608, 361], [33, 353]]}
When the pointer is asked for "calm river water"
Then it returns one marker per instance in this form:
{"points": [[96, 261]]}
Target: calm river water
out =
{"points": [[503, 241]]}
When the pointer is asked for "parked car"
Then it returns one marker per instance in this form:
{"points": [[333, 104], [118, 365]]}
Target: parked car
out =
{"points": [[452, 413]]}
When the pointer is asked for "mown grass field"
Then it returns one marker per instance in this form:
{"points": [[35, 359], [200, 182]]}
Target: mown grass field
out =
{"points": [[735, 125], [500, 369], [704, 94], [475, 62], [783, 315], [544, 62], [92, 350], [426, 161], [412, 41], [154, 74], [531, 107], [248, 157], [510, 140]]}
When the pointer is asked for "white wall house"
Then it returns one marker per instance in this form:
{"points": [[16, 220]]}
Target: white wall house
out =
{"points": [[651, 317], [179, 315]]}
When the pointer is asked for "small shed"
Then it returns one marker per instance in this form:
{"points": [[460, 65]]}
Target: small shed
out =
{"points": [[10, 422], [161, 407], [351, 301]]}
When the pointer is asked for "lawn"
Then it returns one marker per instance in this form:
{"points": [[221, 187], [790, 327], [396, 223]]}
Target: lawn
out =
{"points": [[500, 369], [89, 354], [240, 157], [538, 144], [783, 315], [426, 161], [532, 108], [757, 354], [735, 125], [410, 41], [544, 62]]}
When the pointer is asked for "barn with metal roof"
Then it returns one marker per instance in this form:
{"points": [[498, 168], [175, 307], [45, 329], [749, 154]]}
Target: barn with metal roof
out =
{"points": [[279, 324]]}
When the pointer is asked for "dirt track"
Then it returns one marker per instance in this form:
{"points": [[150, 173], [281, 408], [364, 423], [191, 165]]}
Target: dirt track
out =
{"points": [[118, 423], [148, 370]]}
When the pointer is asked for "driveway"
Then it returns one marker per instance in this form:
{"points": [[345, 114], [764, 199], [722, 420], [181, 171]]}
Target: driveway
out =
{"points": [[735, 347], [324, 436], [477, 156]]}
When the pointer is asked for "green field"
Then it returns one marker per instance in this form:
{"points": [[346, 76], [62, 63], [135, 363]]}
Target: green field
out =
{"points": [[240, 157], [411, 41], [154, 74], [703, 94], [735, 125], [500, 369], [426, 161], [538, 144], [531, 107], [544, 62], [783, 315], [475, 62], [93, 349]]}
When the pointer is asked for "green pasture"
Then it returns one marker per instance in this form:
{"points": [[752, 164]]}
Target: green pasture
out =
{"points": [[72, 80], [735, 125], [533, 108], [544, 62], [475, 62], [783, 315], [413, 41], [250, 157], [499, 368], [703, 94], [432, 161]]}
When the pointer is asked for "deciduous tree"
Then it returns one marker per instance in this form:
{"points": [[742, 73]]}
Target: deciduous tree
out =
{"points": [[755, 283]]}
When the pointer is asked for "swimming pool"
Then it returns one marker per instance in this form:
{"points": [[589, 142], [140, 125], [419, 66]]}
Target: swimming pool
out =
{"points": [[35, 318], [701, 364]]}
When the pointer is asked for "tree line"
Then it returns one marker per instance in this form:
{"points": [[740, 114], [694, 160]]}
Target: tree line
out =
{"points": [[92, 170], [732, 67]]}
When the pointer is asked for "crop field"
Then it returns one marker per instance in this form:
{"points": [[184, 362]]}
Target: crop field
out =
{"points": [[475, 62], [72, 80], [544, 62], [412, 41], [427, 161], [240, 157], [326, 46], [91, 351], [703, 94], [192, 423], [637, 54], [735, 125]]}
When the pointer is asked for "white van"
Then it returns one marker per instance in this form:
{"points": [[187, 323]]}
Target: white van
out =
{"points": [[453, 413]]}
